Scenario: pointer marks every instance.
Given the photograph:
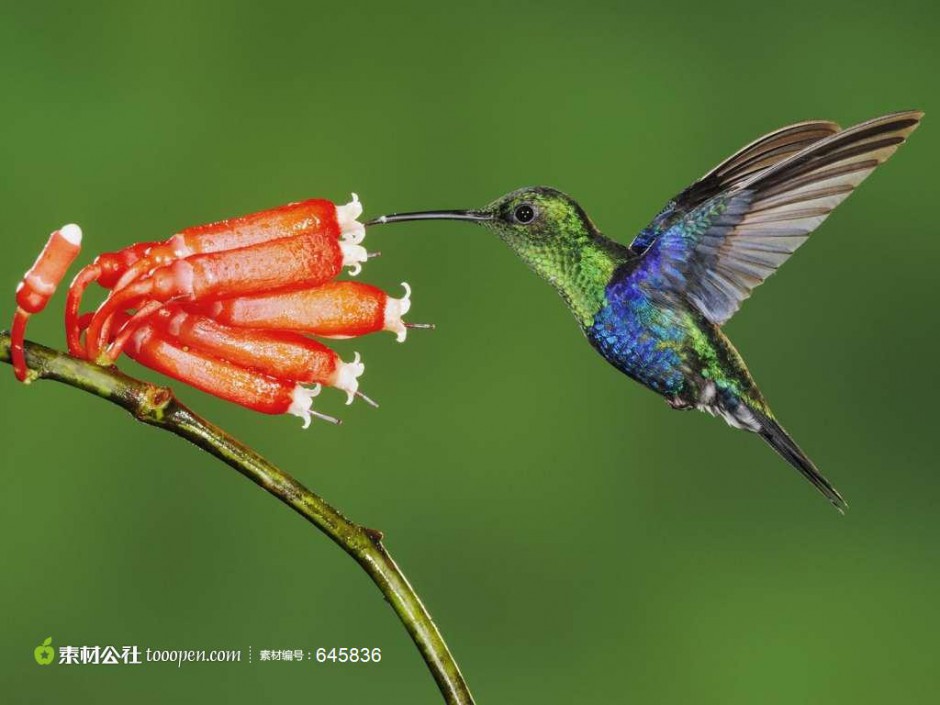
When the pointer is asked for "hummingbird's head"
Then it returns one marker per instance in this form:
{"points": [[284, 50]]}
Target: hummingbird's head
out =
{"points": [[553, 235], [537, 222], [545, 227]]}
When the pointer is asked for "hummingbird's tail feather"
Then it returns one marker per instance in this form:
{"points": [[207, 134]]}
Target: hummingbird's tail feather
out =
{"points": [[778, 439]]}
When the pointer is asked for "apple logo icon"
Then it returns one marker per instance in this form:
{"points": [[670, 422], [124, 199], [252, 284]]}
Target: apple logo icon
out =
{"points": [[44, 653]]}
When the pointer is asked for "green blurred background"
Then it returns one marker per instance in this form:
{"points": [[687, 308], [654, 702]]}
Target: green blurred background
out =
{"points": [[575, 539]]}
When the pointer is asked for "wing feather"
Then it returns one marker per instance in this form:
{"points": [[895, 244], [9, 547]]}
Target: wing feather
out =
{"points": [[770, 149], [748, 161], [731, 243]]}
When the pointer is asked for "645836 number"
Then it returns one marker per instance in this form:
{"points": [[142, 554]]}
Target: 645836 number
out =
{"points": [[348, 654]]}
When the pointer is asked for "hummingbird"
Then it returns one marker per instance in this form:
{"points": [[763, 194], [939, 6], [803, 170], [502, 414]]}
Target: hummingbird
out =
{"points": [[654, 309]]}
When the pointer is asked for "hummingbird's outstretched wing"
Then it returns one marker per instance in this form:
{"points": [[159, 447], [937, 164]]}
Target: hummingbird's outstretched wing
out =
{"points": [[719, 251], [760, 154]]}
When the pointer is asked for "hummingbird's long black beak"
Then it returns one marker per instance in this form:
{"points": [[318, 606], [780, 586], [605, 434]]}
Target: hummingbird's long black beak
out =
{"points": [[473, 216]]}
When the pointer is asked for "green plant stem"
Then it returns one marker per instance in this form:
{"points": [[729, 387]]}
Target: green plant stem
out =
{"points": [[158, 407]]}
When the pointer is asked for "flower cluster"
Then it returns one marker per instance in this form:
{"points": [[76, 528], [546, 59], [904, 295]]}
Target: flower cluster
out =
{"points": [[227, 307]]}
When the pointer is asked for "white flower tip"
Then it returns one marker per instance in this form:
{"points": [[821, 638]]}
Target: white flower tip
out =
{"points": [[354, 234], [405, 301], [346, 377], [351, 230], [353, 256], [349, 212], [395, 309], [72, 234], [302, 403]]}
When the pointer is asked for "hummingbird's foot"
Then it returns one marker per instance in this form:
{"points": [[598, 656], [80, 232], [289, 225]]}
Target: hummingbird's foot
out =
{"points": [[679, 403]]}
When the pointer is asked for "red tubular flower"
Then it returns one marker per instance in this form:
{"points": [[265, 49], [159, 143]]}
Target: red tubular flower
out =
{"points": [[335, 310], [247, 387], [39, 284]]}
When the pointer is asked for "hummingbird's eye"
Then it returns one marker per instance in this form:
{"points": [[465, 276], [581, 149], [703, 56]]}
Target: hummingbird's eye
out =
{"points": [[524, 213]]}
